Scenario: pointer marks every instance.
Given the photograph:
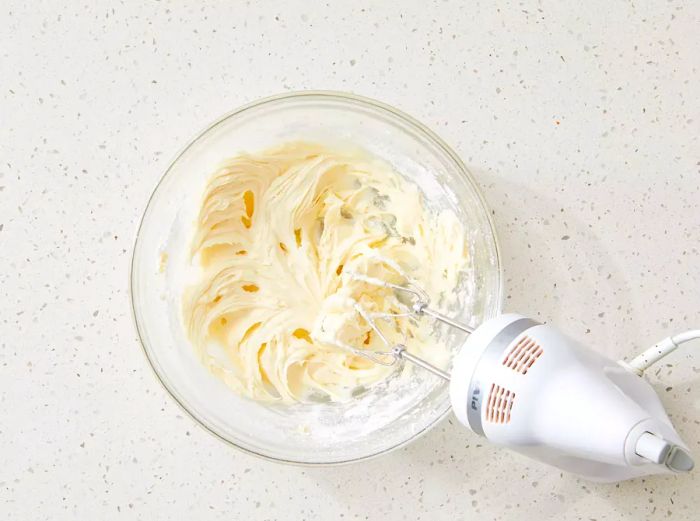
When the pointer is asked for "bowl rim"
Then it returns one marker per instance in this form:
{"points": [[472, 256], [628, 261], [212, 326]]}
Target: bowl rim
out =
{"points": [[321, 94]]}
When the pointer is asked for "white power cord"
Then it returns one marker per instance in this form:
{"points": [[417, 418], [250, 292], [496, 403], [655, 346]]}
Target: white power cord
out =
{"points": [[642, 362]]}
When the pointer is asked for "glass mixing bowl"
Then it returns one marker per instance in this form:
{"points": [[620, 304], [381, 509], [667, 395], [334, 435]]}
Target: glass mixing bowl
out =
{"points": [[388, 416]]}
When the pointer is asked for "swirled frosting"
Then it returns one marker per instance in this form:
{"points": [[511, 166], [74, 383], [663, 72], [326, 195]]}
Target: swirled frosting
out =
{"points": [[277, 234]]}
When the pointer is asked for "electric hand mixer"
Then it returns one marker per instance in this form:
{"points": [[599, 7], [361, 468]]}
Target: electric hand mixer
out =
{"points": [[527, 386]]}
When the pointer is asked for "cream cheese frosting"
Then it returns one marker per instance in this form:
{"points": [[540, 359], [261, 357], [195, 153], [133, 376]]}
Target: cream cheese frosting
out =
{"points": [[277, 234]]}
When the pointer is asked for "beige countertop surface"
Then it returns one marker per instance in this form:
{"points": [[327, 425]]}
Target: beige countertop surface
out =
{"points": [[579, 120]]}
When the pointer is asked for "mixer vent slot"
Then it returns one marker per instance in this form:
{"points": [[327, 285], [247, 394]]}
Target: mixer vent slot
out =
{"points": [[523, 355], [499, 404]]}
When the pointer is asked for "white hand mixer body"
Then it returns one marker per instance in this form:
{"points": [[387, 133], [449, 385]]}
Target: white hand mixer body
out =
{"points": [[528, 387]]}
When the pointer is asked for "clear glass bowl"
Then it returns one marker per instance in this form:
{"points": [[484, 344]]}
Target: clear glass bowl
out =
{"points": [[329, 433]]}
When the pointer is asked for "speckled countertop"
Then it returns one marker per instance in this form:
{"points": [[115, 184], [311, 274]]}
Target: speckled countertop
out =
{"points": [[580, 120]]}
